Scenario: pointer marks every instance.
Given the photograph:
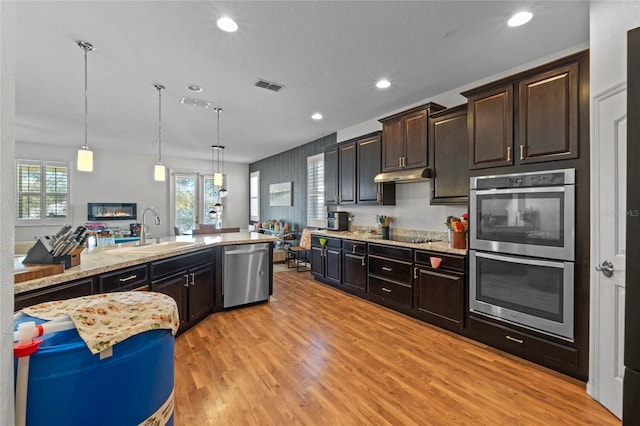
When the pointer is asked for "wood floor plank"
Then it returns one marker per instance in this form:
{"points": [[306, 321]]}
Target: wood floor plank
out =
{"points": [[314, 355]]}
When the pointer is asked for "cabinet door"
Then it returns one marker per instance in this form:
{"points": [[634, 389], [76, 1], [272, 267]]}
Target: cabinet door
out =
{"points": [[333, 266], [490, 123], [449, 152], [200, 291], [369, 158], [84, 287], [355, 271], [175, 286], [415, 143], [317, 262], [331, 176], [441, 296], [548, 116], [347, 174], [392, 144]]}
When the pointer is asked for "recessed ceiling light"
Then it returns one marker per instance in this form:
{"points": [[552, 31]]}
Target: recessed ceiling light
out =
{"points": [[194, 88], [520, 18], [383, 84], [317, 116], [227, 24]]}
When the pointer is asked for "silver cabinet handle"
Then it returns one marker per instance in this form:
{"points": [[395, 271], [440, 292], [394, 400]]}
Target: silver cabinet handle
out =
{"points": [[415, 273], [363, 261], [186, 280], [193, 278], [508, 153], [513, 339], [522, 152], [606, 268], [386, 289], [129, 278], [384, 268]]}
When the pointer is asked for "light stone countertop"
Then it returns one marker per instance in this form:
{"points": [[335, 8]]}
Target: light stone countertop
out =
{"points": [[96, 261], [439, 246]]}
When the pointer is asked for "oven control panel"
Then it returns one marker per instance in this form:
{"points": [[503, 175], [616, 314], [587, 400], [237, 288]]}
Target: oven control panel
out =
{"points": [[525, 180]]}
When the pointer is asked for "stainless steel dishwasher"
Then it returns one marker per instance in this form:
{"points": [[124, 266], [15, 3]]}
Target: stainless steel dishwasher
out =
{"points": [[245, 274]]}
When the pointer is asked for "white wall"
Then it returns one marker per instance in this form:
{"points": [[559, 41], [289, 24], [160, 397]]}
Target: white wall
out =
{"points": [[7, 120], [128, 178]]}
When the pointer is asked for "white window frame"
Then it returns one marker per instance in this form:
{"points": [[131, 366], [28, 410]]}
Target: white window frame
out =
{"points": [[254, 216], [43, 220], [313, 221]]}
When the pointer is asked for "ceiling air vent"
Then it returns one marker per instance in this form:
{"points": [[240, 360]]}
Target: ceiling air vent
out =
{"points": [[196, 102], [269, 85]]}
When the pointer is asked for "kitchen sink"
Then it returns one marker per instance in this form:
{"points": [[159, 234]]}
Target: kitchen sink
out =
{"points": [[156, 248]]}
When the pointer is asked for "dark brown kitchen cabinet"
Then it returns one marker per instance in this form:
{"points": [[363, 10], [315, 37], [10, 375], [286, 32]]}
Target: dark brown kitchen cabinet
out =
{"points": [[69, 290], [490, 128], [390, 276], [347, 173], [448, 145], [331, 181], [404, 138], [326, 260], [440, 292], [189, 280], [354, 265], [549, 116], [531, 117], [369, 164], [134, 278]]}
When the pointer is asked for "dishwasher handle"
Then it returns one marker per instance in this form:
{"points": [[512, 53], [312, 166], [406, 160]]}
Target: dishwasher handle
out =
{"points": [[237, 252]]}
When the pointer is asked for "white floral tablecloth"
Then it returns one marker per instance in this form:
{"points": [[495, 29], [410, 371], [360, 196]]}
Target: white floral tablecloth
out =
{"points": [[103, 320]]}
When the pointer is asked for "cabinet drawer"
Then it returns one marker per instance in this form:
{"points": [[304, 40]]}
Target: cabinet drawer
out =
{"points": [[354, 247], [331, 242], [523, 344], [391, 252], [390, 291], [84, 287], [170, 266], [391, 269], [123, 279], [451, 262]]}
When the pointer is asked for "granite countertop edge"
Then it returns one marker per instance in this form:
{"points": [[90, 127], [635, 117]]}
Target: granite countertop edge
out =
{"points": [[96, 261], [438, 246]]}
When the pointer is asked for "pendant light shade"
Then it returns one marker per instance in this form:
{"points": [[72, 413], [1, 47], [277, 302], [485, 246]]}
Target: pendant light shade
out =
{"points": [[159, 170], [85, 155]]}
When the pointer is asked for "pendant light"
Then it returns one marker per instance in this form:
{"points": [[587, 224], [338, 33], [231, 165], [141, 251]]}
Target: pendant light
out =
{"points": [[159, 169], [218, 177], [85, 155]]}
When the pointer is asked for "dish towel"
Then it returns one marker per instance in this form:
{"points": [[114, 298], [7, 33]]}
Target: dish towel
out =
{"points": [[103, 320]]}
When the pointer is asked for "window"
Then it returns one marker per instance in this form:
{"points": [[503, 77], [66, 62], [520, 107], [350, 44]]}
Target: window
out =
{"points": [[193, 196], [254, 196], [42, 192], [315, 191]]}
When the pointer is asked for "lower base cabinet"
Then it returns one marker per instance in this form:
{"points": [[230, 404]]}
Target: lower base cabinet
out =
{"points": [[189, 280], [326, 260], [78, 288], [354, 266]]}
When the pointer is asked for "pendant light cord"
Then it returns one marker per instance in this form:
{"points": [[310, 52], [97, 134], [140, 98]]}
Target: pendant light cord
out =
{"points": [[160, 89]]}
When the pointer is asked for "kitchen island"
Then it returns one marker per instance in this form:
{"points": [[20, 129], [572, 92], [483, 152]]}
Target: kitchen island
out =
{"points": [[188, 268]]}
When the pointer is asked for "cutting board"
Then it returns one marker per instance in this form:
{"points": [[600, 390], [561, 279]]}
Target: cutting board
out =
{"points": [[31, 271]]}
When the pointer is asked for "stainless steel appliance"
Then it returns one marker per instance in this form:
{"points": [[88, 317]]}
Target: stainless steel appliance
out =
{"points": [[530, 214], [338, 221], [522, 249], [245, 274]]}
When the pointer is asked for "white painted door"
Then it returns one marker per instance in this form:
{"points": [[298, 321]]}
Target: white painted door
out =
{"points": [[608, 182]]}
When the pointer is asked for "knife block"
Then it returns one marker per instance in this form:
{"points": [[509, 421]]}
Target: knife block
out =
{"points": [[40, 252]]}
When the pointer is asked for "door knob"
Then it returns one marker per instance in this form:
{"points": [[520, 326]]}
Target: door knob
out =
{"points": [[606, 268]]}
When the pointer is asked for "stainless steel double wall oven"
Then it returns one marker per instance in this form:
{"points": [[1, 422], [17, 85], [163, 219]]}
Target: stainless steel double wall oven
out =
{"points": [[522, 249]]}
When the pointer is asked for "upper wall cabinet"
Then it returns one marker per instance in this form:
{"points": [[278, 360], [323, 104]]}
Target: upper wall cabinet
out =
{"points": [[404, 138], [350, 168], [528, 118], [448, 145]]}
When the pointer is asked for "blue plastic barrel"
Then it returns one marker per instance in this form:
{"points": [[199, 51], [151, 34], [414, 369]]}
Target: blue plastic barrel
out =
{"points": [[68, 385]]}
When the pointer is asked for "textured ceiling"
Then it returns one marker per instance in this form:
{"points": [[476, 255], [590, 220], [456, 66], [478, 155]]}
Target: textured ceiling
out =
{"points": [[328, 55]]}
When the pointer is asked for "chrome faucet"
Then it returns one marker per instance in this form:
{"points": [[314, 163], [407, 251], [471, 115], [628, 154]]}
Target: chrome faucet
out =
{"points": [[143, 236]]}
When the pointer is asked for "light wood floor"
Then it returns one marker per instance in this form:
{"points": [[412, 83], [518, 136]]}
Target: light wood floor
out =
{"points": [[314, 355]]}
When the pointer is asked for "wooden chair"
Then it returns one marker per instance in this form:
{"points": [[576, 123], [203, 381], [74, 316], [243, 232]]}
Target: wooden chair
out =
{"points": [[301, 254], [209, 229]]}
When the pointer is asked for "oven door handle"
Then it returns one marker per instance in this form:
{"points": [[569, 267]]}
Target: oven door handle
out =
{"points": [[521, 260], [536, 189]]}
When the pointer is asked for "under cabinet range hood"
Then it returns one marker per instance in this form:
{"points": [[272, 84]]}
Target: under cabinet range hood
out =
{"points": [[404, 176]]}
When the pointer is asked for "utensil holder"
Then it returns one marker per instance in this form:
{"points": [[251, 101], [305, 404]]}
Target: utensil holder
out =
{"points": [[384, 231], [459, 240]]}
